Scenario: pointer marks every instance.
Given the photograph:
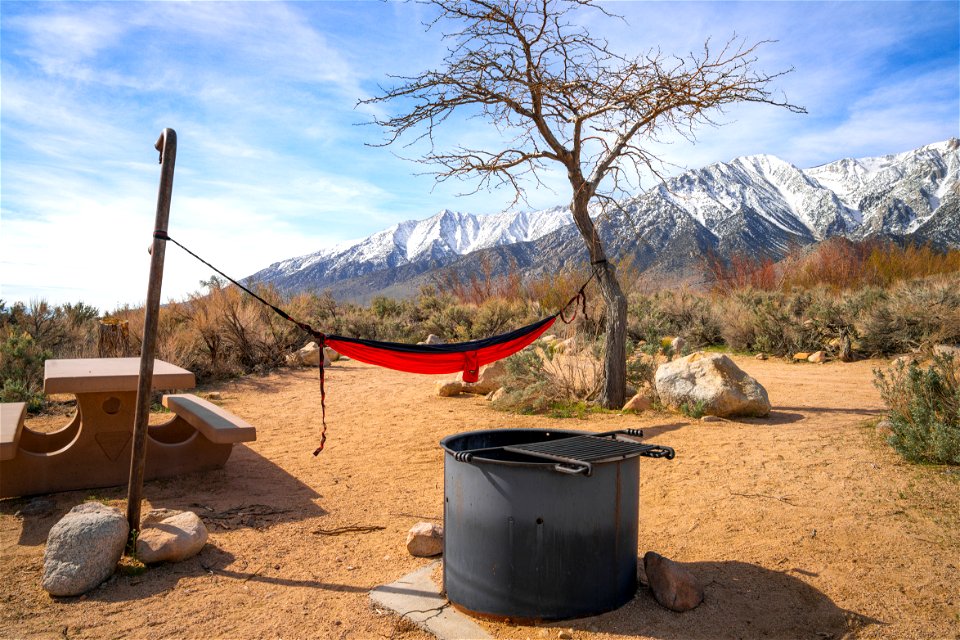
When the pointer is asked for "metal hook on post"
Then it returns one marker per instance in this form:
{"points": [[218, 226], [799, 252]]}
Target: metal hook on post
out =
{"points": [[167, 146]]}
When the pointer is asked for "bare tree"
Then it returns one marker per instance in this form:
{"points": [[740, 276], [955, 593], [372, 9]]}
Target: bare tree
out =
{"points": [[559, 95]]}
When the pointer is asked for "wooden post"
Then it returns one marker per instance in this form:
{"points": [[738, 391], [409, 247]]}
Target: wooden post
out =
{"points": [[167, 146]]}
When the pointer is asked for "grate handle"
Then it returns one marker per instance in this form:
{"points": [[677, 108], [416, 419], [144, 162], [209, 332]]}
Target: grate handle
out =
{"points": [[584, 468]]}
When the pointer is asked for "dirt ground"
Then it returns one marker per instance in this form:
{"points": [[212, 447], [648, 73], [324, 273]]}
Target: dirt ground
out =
{"points": [[803, 525]]}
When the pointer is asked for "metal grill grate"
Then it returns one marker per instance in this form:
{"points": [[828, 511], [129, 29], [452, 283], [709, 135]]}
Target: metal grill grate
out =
{"points": [[583, 449]]}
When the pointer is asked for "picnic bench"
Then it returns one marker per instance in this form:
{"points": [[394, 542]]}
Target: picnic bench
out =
{"points": [[93, 449]]}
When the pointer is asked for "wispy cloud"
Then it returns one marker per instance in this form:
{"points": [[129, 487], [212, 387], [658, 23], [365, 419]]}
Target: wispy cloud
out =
{"points": [[271, 163]]}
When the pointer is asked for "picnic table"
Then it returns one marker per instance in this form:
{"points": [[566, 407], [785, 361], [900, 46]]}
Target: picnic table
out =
{"points": [[93, 449]]}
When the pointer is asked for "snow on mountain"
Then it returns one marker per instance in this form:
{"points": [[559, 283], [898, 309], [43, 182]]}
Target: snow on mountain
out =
{"points": [[438, 239], [760, 205]]}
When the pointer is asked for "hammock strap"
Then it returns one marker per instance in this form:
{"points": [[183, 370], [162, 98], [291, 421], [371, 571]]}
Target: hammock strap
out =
{"points": [[323, 402], [319, 335]]}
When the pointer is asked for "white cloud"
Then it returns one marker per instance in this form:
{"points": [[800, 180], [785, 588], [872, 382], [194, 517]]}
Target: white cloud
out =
{"points": [[270, 164]]}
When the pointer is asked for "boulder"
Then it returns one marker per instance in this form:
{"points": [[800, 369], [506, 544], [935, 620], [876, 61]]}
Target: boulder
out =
{"points": [[449, 388], [498, 394], [432, 339], [818, 357], [171, 539], [639, 402], [156, 515], [330, 354], [83, 549], [801, 356], [489, 379], [673, 585], [714, 381], [425, 539], [310, 355]]}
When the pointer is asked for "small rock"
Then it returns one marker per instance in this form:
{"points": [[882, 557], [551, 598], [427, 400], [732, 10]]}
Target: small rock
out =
{"points": [[711, 419], [761, 356], [565, 634], [215, 396], [678, 344], [801, 356], [490, 378], [885, 427], [433, 339], [638, 402], [498, 394], [818, 357], [674, 586], [425, 539], [565, 346], [172, 539], [330, 354], [83, 549], [37, 507], [450, 388], [947, 350]]}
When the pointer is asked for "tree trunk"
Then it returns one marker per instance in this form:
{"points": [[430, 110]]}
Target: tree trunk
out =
{"points": [[613, 394], [614, 391]]}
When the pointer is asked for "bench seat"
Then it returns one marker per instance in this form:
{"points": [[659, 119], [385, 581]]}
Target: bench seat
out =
{"points": [[216, 424], [12, 415]]}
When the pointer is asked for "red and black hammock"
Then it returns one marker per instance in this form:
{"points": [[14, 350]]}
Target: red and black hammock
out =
{"points": [[465, 357]]}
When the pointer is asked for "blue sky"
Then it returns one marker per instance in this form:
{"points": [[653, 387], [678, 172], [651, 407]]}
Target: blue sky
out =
{"points": [[272, 163]]}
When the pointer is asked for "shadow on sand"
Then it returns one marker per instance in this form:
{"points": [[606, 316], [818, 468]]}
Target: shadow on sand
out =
{"points": [[742, 600], [250, 491]]}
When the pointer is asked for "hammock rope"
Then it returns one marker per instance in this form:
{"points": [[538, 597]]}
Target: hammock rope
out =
{"points": [[465, 357]]}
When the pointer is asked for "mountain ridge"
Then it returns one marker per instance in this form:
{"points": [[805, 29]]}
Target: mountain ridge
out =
{"points": [[759, 204]]}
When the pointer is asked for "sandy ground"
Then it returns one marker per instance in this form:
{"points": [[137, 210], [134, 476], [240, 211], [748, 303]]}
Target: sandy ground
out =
{"points": [[804, 525]]}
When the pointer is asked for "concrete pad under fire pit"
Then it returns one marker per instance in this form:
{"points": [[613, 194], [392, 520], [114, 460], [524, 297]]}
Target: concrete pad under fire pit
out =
{"points": [[417, 598]]}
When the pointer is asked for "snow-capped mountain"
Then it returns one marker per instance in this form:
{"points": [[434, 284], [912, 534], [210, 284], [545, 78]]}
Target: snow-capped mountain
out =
{"points": [[413, 246], [758, 205]]}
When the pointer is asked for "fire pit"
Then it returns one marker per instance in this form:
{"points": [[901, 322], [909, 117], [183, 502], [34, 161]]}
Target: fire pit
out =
{"points": [[541, 524]]}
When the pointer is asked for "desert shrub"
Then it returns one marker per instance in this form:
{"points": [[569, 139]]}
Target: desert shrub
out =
{"points": [[675, 312], [551, 291], [758, 321], [21, 369], [739, 271], [693, 409], [924, 409], [528, 386], [641, 370], [453, 322], [499, 315], [912, 314], [540, 379]]}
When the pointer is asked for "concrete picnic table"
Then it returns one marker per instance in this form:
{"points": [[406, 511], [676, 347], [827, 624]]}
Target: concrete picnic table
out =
{"points": [[93, 449]]}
